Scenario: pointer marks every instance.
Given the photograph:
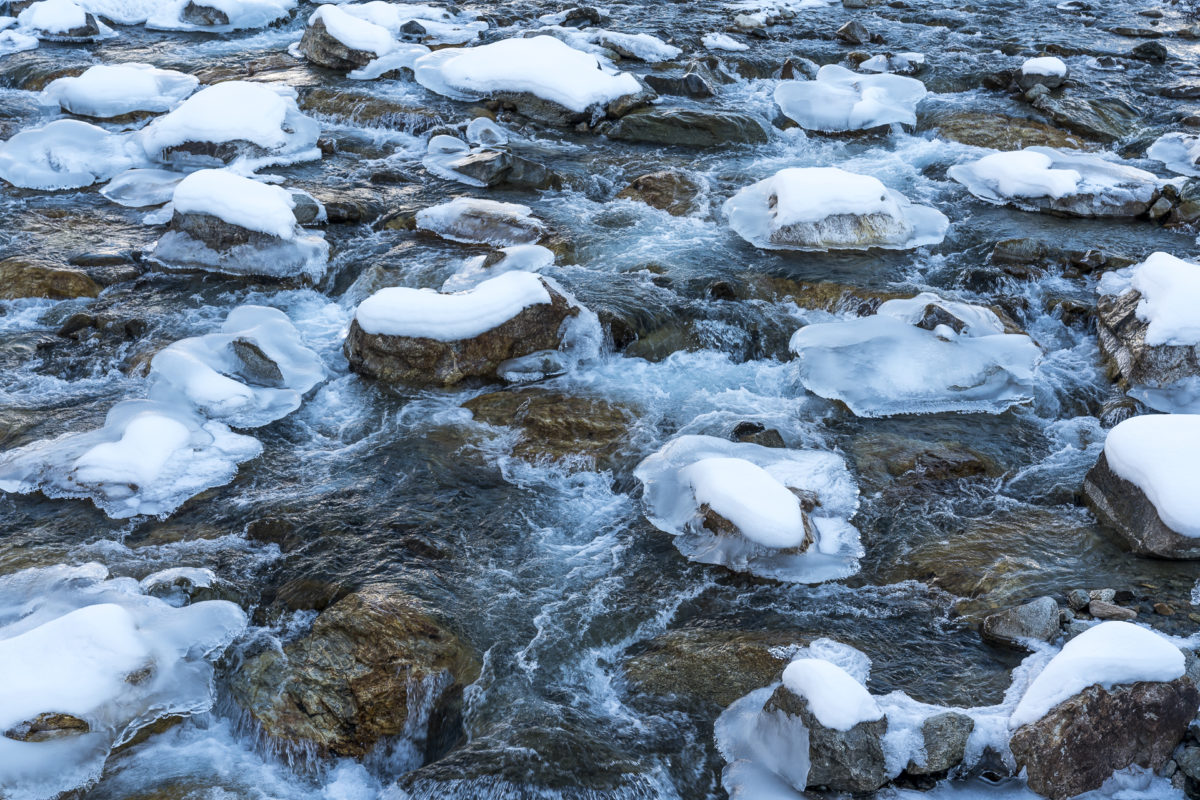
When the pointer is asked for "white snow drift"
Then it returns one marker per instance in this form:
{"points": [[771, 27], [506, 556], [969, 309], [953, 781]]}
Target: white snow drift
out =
{"points": [[887, 364], [74, 642], [66, 154], [255, 371], [1156, 453], [839, 100], [826, 208], [106, 91], [751, 487]]}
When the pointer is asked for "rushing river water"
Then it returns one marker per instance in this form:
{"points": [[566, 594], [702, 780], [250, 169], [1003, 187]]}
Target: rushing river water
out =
{"points": [[550, 570]]}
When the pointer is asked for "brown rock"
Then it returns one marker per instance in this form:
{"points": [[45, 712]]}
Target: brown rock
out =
{"points": [[347, 683], [1000, 132], [47, 726], [1078, 745], [20, 277], [674, 191], [322, 49], [430, 362], [1102, 609]]}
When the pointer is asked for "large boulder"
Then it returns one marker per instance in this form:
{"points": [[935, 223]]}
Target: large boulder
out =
{"points": [[21, 277], [1124, 507], [688, 127], [320, 47], [1123, 344], [840, 760], [443, 357], [945, 738], [1104, 119], [348, 683], [1076, 747]]}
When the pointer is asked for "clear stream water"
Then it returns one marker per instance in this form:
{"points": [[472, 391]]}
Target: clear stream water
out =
{"points": [[551, 571]]}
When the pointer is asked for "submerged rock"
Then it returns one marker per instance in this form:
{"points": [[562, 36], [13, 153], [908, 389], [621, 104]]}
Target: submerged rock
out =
{"points": [[21, 277], [998, 131], [1100, 119], [375, 664], [688, 128], [1037, 620], [675, 191], [474, 221]]}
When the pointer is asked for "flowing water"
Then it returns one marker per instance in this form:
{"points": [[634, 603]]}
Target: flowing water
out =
{"points": [[549, 569]]}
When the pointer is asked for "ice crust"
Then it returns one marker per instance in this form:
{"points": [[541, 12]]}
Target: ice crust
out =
{"points": [[839, 100]]}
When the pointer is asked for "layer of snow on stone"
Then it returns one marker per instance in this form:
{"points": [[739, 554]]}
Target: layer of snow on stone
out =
{"points": [[112, 90], [841, 100], [242, 14], [237, 111], [1170, 290], [760, 507], [66, 154], [675, 488], [475, 221], [53, 16], [1043, 172], [520, 257], [722, 41], [761, 212], [354, 31], [836, 699], [400, 311], [438, 24], [602, 42], [899, 62], [884, 364], [70, 641], [1049, 66], [1109, 654], [240, 201], [1155, 452], [149, 458], [542, 66], [1180, 152], [208, 372]]}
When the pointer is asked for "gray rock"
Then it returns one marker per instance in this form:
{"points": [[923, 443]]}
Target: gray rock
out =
{"points": [[1124, 507], [257, 367], [1188, 760], [1078, 599], [853, 32], [757, 433], [841, 761], [693, 84], [1150, 51], [1037, 619], [196, 14], [307, 211], [320, 48], [672, 190], [1101, 609], [1101, 119], [1103, 595], [688, 127], [1123, 345], [496, 168], [945, 737], [1080, 742]]}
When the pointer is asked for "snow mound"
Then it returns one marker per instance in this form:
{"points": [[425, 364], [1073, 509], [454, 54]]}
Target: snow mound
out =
{"points": [[237, 200], [1170, 290], [826, 208], [217, 16], [721, 41], [903, 360], [522, 257], [542, 66], [66, 154], [1046, 66], [474, 221], [839, 100], [106, 91], [835, 698], [1042, 178], [255, 371], [428, 23], [424, 313], [606, 43], [1179, 152], [1155, 454], [258, 125], [1108, 654], [73, 642], [149, 458], [12, 41], [750, 486], [64, 20], [354, 31]]}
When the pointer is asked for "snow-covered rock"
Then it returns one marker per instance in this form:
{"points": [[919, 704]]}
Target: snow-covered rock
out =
{"points": [[61, 21], [839, 100], [252, 124], [217, 16], [922, 355], [826, 208], [255, 371], [1148, 331], [228, 223], [1142, 484], [1049, 71], [149, 458], [722, 41], [542, 76], [337, 40], [106, 91], [66, 154], [1059, 181], [519, 257], [498, 327], [606, 43], [86, 662], [776, 513], [1179, 152], [421, 22], [473, 221], [896, 63], [1115, 696]]}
